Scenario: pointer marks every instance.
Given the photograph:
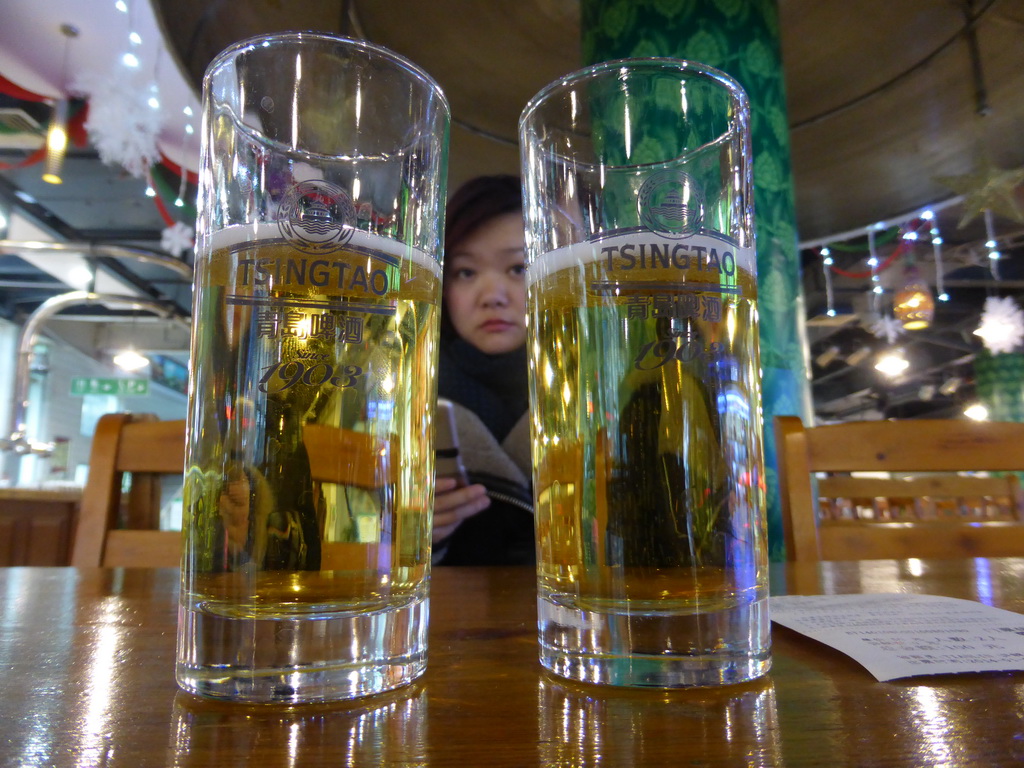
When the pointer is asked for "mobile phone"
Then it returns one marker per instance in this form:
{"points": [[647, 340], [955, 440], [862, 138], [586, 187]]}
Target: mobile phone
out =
{"points": [[446, 444]]}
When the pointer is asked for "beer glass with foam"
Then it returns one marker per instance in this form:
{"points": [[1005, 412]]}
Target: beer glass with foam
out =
{"points": [[309, 466], [645, 393]]}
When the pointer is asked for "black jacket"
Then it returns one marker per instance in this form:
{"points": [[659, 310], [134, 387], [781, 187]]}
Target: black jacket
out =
{"points": [[503, 534]]}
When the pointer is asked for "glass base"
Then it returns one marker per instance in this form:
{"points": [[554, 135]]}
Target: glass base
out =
{"points": [[661, 649], [301, 659]]}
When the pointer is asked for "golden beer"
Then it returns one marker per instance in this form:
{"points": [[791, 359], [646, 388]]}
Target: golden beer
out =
{"points": [[309, 472], [306, 493], [647, 447]]}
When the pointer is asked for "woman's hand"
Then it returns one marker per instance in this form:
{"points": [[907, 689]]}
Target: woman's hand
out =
{"points": [[452, 505]]}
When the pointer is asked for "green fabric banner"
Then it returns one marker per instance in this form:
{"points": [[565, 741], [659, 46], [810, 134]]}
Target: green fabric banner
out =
{"points": [[741, 38]]}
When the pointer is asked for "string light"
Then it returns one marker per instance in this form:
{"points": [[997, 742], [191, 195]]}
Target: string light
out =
{"points": [[937, 254], [179, 202], [876, 289], [990, 243], [129, 59], [826, 265]]}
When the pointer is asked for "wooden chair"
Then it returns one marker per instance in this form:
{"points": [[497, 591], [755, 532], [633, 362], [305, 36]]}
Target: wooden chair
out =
{"points": [[934, 512], [114, 531]]}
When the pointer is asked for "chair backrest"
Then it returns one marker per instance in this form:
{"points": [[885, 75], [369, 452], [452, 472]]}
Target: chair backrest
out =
{"points": [[147, 448], [113, 531], [929, 510]]}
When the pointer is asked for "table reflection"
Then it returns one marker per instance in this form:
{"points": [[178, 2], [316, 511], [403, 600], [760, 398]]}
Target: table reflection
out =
{"points": [[583, 725], [385, 730]]}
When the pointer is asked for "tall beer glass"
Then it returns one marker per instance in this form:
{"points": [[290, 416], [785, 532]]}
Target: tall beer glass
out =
{"points": [[647, 440], [309, 466]]}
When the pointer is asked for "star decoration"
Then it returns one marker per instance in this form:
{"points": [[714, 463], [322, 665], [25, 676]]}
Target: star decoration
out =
{"points": [[888, 328], [1002, 325], [987, 188]]}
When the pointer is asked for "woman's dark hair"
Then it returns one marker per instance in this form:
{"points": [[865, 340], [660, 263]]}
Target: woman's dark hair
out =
{"points": [[473, 204], [476, 202]]}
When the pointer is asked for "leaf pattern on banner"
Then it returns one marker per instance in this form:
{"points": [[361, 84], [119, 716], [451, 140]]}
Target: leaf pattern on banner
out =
{"points": [[618, 19], [735, 9], [708, 48], [1000, 381], [740, 37], [673, 8]]}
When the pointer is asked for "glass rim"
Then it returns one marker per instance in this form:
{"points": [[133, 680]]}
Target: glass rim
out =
{"points": [[637, 64], [259, 41]]}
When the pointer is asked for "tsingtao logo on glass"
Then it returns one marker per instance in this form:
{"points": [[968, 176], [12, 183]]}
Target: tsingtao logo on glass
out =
{"points": [[316, 217], [671, 204]]}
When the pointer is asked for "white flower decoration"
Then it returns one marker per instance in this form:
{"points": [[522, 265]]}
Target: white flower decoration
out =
{"points": [[1002, 325], [177, 239], [888, 328], [122, 123]]}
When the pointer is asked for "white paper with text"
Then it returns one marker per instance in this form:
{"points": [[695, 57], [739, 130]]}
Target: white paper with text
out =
{"points": [[899, 635]]}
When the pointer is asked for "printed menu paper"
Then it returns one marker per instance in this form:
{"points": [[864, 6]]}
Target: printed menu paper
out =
{"points": [[899, 635]]}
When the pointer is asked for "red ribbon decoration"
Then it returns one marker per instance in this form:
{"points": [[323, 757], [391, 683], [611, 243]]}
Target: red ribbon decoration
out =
{"points": [[160, 207], [16, 91], [32, 159], [10, 89], [76, 127], [193, 178], [897, 252]]}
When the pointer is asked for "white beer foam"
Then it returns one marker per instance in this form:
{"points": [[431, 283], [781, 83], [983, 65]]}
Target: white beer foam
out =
{"points": [[580, 254], [238, 234]]}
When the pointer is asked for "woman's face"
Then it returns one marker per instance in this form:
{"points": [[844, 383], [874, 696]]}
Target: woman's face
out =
{"points": [[485, 285]]}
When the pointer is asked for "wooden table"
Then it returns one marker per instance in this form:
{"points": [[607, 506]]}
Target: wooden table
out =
{"points": [[87, 659]]}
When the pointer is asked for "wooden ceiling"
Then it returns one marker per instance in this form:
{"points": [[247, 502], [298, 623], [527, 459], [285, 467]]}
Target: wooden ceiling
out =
{"points": [[883, 97]]}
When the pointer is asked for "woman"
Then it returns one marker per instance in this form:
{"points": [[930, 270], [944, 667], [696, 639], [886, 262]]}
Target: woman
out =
{"points": [[483, 371]]}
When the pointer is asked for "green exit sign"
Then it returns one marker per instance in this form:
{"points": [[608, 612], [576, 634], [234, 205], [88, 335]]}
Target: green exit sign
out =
{"points": [[90, 385]]}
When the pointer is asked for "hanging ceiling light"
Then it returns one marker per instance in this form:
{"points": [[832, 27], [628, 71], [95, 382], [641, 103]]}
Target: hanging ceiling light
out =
{"points": [[892, 363], [56, 143], [57, 133], [976, 411], [130, 360], [913, 305]]}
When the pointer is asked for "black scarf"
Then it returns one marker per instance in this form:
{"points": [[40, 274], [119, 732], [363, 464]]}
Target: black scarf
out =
{"points": [[494, 387]]}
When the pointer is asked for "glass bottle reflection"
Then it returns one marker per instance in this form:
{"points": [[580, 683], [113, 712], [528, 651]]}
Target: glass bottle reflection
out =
{"points": [[390, 729], [582, 726]]}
